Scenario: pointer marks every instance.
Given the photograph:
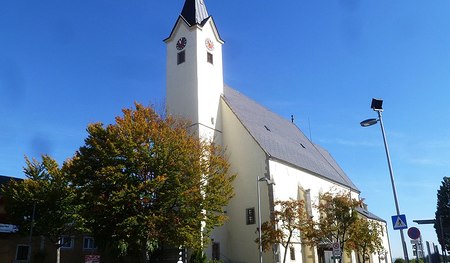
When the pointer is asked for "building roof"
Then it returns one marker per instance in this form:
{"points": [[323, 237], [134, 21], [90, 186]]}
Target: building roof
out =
{"points": [[5, 179], [280, 139], [368, 214], [194, 12]]}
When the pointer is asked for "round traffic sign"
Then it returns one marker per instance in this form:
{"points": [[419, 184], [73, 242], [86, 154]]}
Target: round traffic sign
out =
{"points": [[413, 232], [336, 246]]}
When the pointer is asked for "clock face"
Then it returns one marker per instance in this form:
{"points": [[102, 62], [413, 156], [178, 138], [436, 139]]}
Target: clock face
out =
{"points": [[181, 43], [209, 44]]}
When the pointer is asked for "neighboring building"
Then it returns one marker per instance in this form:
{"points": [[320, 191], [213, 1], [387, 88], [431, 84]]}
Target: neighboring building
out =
{"points": [[11, 245], [259, 143], [15, 247]]}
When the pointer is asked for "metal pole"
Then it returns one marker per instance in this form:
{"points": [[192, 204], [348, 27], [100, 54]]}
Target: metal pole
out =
{"points": [[405, 250], [259, 219], [31, 232], [444, 256]]}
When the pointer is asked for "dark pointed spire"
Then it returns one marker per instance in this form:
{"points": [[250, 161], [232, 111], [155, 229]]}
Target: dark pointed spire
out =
{"points": [[194, 11]]}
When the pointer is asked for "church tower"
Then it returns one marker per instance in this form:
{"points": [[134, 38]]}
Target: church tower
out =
{"points": [[194, 70]]}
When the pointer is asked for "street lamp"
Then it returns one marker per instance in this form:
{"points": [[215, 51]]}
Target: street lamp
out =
{"points": [[377, 106], [269, 182]]}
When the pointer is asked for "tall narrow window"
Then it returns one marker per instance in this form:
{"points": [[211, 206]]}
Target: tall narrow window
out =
{"points": [[308, 202], [216, 251], [250, 216], [181, 57], [292, 253], [210, 58], [22, 252]]}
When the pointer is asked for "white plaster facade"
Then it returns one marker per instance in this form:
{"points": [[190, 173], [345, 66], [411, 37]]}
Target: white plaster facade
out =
{"points": [[195, 90]]}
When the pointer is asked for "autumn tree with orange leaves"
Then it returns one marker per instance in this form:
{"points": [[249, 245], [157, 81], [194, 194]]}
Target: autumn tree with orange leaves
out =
{"points": [[288, 220], [365, 238], [337, 216], [146, 180]]}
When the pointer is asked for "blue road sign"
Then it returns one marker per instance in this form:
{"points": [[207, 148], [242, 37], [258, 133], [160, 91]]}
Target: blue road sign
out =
{"points": [[399, 222]]}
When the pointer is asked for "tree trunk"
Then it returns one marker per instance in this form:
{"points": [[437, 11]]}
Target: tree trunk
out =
{"points": [[287, 246], [285, 252]]}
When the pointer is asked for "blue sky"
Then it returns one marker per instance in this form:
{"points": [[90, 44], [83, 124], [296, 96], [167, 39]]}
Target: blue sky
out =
{"points": [[64, 64]]}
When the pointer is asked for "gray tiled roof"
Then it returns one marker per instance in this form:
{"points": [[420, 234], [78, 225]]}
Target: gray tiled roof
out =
{"points": [[194, 12], [368, 214], [283, 140]]}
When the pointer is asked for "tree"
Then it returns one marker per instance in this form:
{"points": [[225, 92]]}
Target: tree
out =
{"points": [[287, 221], [43, 204], [146, 181], [338, 215], [442, 222], [364, 238]]}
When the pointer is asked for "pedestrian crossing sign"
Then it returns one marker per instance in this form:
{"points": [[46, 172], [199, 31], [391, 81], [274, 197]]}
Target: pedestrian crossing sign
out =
{"points": [[399, 222]]}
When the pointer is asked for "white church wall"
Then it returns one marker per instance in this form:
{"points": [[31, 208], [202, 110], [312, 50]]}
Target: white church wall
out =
{"points": [[383, 256], [248, 161], [289, 181]]}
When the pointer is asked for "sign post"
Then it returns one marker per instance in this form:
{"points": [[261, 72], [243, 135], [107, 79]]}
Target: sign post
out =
{"points": [[337, 253], [416, 241]]}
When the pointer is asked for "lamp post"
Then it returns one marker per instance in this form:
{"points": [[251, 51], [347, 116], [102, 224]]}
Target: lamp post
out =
{"points": [[269, 182], [444, 253], [377, 106], [30, 239]]}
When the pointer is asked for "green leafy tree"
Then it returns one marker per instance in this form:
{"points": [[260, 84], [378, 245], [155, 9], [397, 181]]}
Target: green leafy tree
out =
{"points": [[44, 201], [146, 180], [338, 215], [442, 222], [198, 257], [365, 238], [287, 221]]}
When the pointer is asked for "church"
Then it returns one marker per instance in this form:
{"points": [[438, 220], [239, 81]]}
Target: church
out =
{"points": [[271, 156]]}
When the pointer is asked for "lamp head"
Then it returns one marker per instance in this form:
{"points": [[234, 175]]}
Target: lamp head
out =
{"points": [[267, 180], [377, 104], [368, 122]]}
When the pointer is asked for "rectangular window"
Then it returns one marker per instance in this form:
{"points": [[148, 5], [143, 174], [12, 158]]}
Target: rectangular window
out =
{"points": [[216, 251], [250, 216], [89, 243], [22, 252], [292, 252], [66, 242], [181, 57], [210, 58]]}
